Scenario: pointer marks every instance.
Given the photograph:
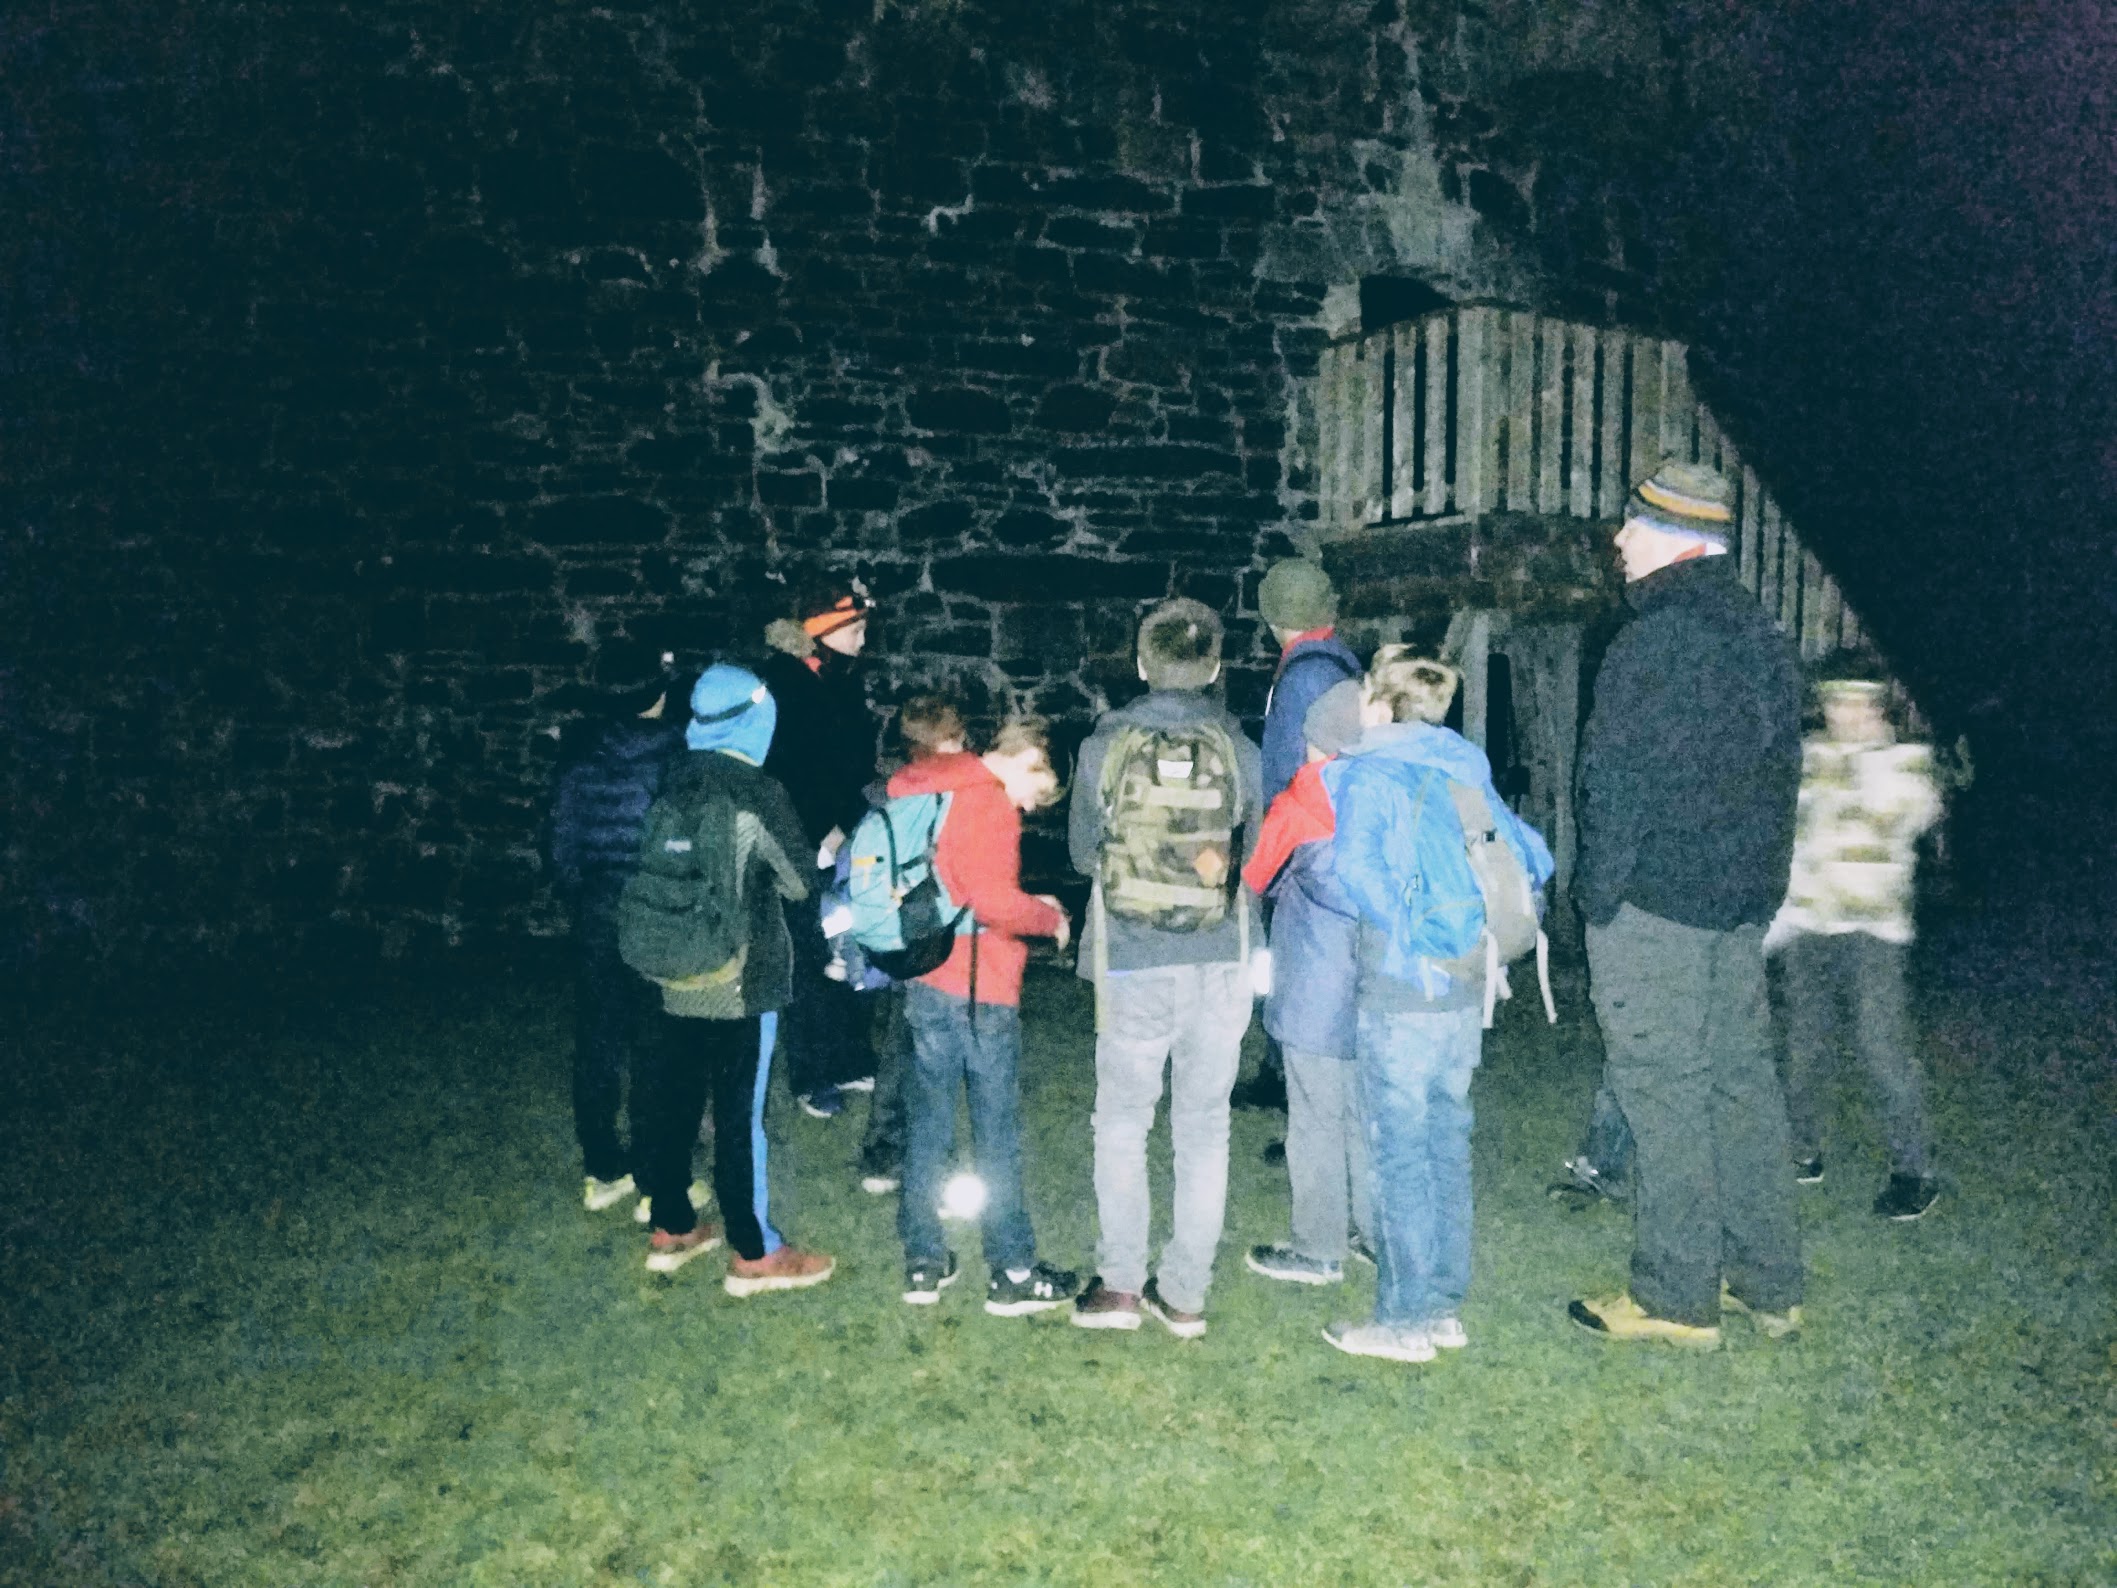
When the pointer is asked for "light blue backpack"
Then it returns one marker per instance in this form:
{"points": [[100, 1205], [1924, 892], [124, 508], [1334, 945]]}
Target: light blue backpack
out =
{"points": [[903, 918]]}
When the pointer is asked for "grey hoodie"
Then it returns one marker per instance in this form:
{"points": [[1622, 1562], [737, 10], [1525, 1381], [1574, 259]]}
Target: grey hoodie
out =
{"points": [[1134, 946]]}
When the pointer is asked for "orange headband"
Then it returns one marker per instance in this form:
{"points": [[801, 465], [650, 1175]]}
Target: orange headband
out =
{"points": [[848, 611]]}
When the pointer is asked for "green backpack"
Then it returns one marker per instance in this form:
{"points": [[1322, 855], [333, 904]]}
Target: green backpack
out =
{"points": [[681, 915], [1171, 799]]}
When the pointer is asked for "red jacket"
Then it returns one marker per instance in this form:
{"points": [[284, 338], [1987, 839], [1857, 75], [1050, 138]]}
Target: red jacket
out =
{"points": [[979, 858], [1301, 815]]}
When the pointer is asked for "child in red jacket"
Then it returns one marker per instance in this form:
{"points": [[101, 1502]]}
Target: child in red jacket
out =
{"points": [[979, 1044]]}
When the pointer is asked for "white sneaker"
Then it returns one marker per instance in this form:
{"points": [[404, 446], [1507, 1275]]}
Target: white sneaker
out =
{"points": [[1447, 1333], [863, 1083], [597, 1195], [1377, 1339]]}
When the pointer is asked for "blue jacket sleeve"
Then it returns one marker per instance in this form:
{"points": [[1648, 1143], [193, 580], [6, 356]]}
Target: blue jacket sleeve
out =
{"points": [[1370, 807]]}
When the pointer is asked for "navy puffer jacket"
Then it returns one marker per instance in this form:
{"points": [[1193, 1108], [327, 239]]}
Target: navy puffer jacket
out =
{"points": [[599, 805]]}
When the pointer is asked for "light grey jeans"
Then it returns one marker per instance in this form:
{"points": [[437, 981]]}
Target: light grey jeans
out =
{"points": [[1326, 1154], [1190, 1018]]}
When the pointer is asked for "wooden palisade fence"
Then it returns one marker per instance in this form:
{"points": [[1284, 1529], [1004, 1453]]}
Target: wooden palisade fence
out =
{"points": [[1480, 409]]}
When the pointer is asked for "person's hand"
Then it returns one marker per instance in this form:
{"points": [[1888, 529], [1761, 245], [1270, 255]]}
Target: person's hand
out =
{"points": [[1064, 934], [827, 851]]}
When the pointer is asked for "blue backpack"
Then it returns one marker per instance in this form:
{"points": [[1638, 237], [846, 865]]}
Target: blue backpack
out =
{"points": [[903, 918], [1468, 904]]}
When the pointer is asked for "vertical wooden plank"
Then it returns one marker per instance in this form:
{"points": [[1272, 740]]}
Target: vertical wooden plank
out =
{"points": [[1789, 580], [1521, 408], [1710, 441], [1342, 427], [1436, 438], [1369, 412], [1404, 444], [1580, 495], [1477, 678], [1812, 606], [1611, 484], [1646, 411], [1326, 434], [1750, 555], [1830, 613], [1678, 411], [1550, 399], [1768, 545], [1476, 437]]}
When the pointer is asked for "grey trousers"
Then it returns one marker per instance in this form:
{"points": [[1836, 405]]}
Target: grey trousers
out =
{"points": [[1687, 1034], [1863, 976], [1189, 1018], [1326, 1154]]}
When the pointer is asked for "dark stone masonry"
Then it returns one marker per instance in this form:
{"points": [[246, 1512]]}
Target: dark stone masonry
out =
{"points": [[372, 367]]}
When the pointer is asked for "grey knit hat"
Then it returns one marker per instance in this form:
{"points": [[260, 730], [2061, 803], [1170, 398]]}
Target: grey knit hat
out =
{"points": [[1333, 722], [1297, 595]]}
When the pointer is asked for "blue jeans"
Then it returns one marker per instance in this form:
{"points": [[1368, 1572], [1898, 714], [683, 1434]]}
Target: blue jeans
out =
{"points": [[947, 1051], [1415, 1103]]}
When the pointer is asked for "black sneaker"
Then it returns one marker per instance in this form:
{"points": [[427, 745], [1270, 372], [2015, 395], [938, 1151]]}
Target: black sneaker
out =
{"points": [[924, 1282], [1274, 1152], [1909, 1196], [1042, 1289], [1809, 1171], [1265, 1089], [1584, 1185]]}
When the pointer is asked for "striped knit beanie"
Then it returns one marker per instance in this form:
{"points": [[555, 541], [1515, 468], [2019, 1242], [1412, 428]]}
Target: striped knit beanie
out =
{"points": [[1688, 500]]}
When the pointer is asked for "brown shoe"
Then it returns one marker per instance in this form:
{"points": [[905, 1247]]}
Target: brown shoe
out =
{"points": [[1184, 1325], [1100, 1307], [789, 1268], [667, 1253]]}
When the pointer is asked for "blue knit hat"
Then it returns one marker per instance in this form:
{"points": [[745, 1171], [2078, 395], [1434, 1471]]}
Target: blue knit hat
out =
{"points": [[733, 712]]}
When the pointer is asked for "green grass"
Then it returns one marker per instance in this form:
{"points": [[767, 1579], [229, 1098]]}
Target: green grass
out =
{"points": [[308, 1298]]}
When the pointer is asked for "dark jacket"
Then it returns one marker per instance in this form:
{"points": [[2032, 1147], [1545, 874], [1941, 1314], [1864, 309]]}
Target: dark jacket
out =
{"points": [[777, 867], [1133, 944], [823, 751], [1690, 764], [599, 803], [1309, 668]]}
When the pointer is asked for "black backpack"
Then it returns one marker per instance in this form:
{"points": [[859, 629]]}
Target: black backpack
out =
{"points": [[681, 916]]}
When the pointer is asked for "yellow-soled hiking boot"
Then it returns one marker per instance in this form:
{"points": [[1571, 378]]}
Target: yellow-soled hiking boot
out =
{"points": [[1619, 1317], [1772, 1325]]}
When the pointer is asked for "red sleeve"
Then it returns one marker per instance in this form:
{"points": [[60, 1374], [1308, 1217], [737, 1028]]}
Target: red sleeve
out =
{"points": [[980, 860], [1286, 828]]}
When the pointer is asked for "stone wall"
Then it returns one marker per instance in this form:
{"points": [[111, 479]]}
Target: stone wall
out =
{"points": [[381, 364]]}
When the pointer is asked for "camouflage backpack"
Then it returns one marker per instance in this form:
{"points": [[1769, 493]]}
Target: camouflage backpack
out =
{"points": [[1171, 801]]}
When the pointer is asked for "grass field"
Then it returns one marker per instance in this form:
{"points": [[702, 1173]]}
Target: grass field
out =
{"points": [[305, 1296]]}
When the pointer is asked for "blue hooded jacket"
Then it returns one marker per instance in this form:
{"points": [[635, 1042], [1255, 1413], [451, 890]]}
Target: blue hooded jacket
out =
{"points": [[1307, 671], [1378, 786]]}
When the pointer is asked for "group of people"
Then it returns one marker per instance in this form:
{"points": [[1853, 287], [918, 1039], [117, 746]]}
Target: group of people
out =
{"points": [[1371, 832]]}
